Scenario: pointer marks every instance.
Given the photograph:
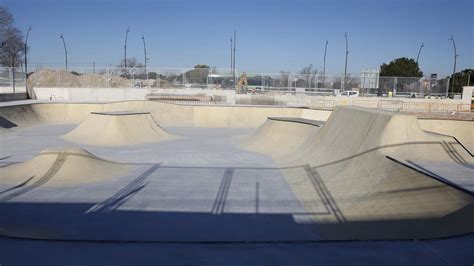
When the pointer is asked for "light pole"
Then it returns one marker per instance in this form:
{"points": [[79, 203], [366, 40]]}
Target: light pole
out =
{"points": [[26, 47], [231, 56], [65, 50], [125, 49], [454, 67], [345, 66], [419, 51], [233, 65], [146, 58], [324, 63]]}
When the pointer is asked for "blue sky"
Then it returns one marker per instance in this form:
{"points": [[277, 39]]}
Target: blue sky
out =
{"points": [[272, 35]]}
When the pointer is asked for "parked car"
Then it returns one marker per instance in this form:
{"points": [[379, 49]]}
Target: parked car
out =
{"points": [[349, 94]]}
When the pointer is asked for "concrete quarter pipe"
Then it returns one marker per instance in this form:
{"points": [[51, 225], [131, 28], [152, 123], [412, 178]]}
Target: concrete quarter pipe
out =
{"points": [[344, 174]]}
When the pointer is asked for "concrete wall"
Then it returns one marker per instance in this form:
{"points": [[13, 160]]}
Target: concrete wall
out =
{"points": [[299, 100], [120, 94], [13, 96]]}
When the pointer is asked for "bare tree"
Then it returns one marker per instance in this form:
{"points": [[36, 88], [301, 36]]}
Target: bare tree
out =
{"points": [[132, 63], [6, 21], [308, 74], [12, 45]]}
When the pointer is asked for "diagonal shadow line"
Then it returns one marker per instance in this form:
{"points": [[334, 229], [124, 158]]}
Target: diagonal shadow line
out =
{"points": [[125, 193], [7, 164], [52, 171], [221, 197], [324, 194], [18, 186], [454, 154], [456, 139], [120, 200], [426, 172], [6, 157]]}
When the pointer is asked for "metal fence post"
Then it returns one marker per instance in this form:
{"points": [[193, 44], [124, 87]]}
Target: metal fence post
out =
{"points": [[447, 87]]}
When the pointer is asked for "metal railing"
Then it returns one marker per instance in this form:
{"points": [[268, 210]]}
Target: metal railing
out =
{"points": [[213, 78]]}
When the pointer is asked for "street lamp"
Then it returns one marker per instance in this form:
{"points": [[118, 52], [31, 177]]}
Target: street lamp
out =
{"points": [[146, 58], [233, 64], [324, 62], [231, 56], [345, 66], [454, 67], [125, 48], [26, 47], [419, 51], [65, 50]]}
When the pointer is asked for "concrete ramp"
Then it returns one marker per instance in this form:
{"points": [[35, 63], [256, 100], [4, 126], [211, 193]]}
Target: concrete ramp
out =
{"points": [[343, 176], [118, 129], [281, 136], [57, 167]]}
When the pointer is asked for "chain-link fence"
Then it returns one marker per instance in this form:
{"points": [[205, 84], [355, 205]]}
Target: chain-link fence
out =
{"points": [[214, 78], [12, 80]]}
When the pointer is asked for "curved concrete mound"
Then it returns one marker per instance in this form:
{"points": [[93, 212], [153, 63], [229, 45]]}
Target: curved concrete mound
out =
{"points": [[58, 167], [280, 136], [358, 176], [118, 129]]}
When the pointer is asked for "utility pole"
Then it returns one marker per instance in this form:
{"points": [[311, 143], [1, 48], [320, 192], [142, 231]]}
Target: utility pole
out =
{"points": [[125, 49], [345, 66], [231, 56], [419, 51], [93, 67], [324, 63], [146, 58], [26, 49], [454, 67], [65, 50], [233, 66]]}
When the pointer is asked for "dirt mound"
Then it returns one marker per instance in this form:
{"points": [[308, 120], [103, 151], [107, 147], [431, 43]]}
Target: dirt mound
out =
{"points": [[63, 78], [57, 167], [53, 78]]}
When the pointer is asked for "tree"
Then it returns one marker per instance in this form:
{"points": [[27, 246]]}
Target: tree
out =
{"points": [[12, 45], [308, 76], [461, 79], [6, 21], [132, 63], [198, 75], [401, 67]]}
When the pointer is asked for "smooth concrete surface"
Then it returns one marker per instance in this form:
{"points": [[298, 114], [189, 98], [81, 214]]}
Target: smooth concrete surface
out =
{"points": [[196, 188], [452, 251], [203, 188], [225, 116], [462, 130], [368, 195]]}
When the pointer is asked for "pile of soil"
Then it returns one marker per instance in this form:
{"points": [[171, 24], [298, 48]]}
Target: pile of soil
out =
{"points": [[66, 79]]}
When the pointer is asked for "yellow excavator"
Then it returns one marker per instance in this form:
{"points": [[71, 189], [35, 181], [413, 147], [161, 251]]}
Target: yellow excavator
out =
{"points": [[242, 84]]}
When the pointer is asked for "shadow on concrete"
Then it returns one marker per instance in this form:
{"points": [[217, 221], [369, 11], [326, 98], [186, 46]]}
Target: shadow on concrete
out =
{"points": [[126, 193], [5, 123]]}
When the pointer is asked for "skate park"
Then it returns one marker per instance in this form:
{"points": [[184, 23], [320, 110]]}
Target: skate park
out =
{"points": [[249, 133], [144, 171]]}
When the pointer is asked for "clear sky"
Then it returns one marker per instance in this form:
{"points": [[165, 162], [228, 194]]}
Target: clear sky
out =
{"points": [[271, 35]]}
